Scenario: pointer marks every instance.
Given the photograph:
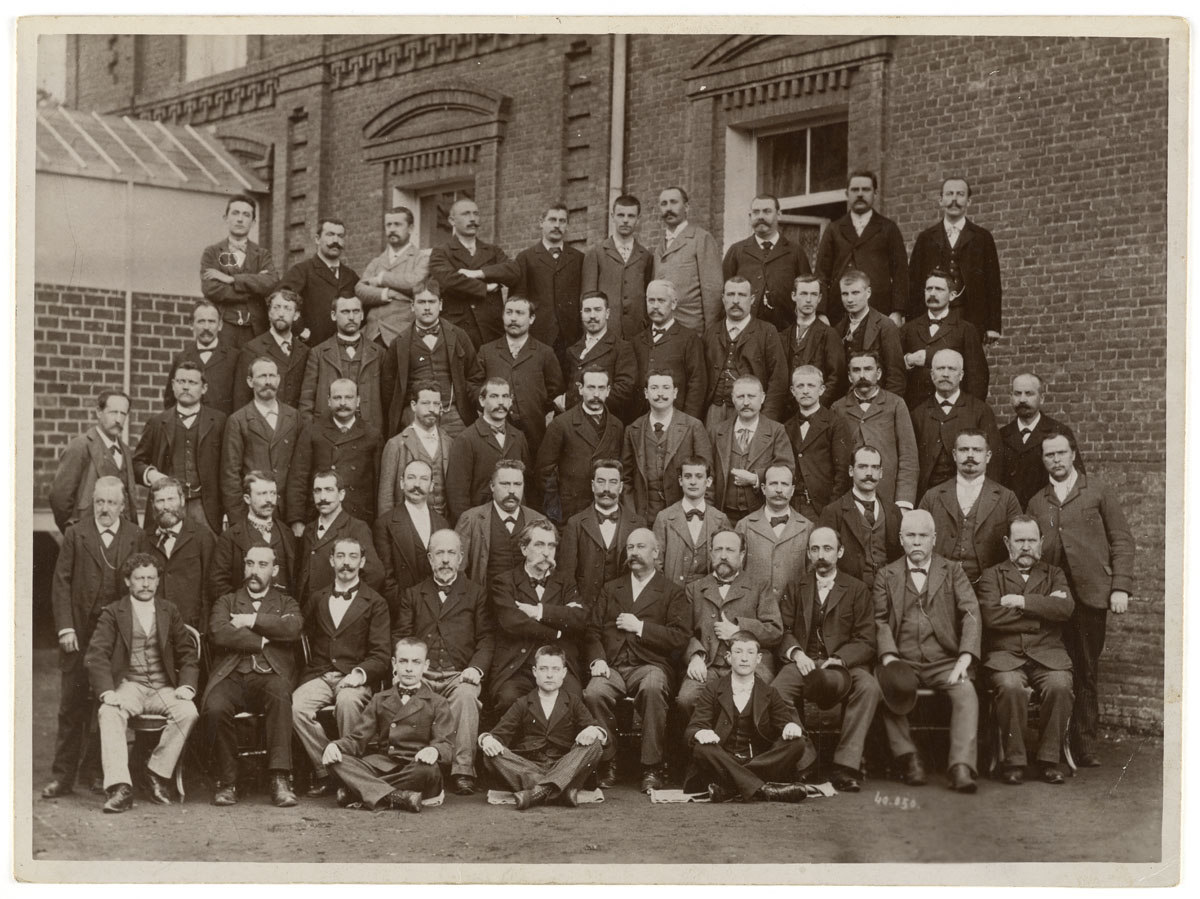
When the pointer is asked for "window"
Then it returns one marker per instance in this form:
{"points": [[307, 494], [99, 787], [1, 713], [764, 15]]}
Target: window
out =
{"points": [[806, 168], [211, 54], [431, 209]]}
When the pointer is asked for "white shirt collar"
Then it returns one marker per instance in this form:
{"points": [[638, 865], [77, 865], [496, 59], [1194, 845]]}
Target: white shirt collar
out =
{"points": [[108, 444], [265, 410], [345, 427], [671, 235], [974, 485], [517, 345], [291, 338], [773, 237], [858, 495], [550, 247], [739, 425], [953, 226], [665, 421], [688, 504], [503, 515], [469, 242], [1064, 487], [589, 339], [207, 348], [861, 221], [324, 522], [1032, 425], [421, 511], [939, 318], [951, 399], [349, 589]]}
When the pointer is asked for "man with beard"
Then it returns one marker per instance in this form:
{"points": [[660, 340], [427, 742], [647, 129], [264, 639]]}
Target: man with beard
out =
{"points": [[348, 628], [620, 268], [279, 342], [341, 440], [821, 444], [743, 448], [921, 339], [491, 531], [1021, 468], [320, 280], [476, 451], [254, 632], [867, 330], [453, 617], [258, 527], [690, 259], [472, 304], [593, 547], [1025, 603], [217, 359], [183, 551], [811, 341], [637, 624], [344, 355], [683, 529], [742, 346], [320, 536], [776, 535], [573, 442], [403, 535], [867, 528], [770, 262], [423, 439], [98, 452], [600, 348], [668, 345], [387, 286], [237, 273]]}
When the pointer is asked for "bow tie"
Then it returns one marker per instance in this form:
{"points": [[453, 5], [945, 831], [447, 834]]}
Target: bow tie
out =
{"points": [[187, 417], [694, 513], [924, 571], [407, 691], [539, 581], [657, 332], [601, 517], [164, 534], [777, 520], [345, 596], [1024, 570], [428, 332]]}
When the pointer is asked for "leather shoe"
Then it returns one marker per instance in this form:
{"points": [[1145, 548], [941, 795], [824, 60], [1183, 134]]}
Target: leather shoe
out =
{"points": [[347, 799], [773, 792], [404, 800], [913, 771], [1088, 760], [845, 781], [1052, 774], [1013, 776], [281, 791], [537, 796], [717, 793], [652, 779], [56, 789], [226, 795], [463, 784], [320, 788], [160, 789], [570, 798], [606, 777], [120, 799], [960, 778]]}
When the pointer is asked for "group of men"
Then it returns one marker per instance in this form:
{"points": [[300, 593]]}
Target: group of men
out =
{"points": [[468, 488]]}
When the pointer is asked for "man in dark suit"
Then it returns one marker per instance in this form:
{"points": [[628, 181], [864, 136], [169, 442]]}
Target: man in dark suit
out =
{"points": [[867, 528], [968, 252], [927, 617], [237, 274], [98, 452], [863, 239], [416, 727], [86, 579], [1025, 603], [453, 616], [573, 442], [1021, 469], [142, 660], [668, 345], [620, 268], [264, 436], [491, 532], [475, 452], [185, 443], [345, 354], [593, 547], [683, 529], [320, 536], [867, 330], [183, 551], [637, 624], [690, 259], [740, 346], [216, 358], [810, 341], [258, 527], [939, 328], [345, 442], [547, 743], [282, 344], [770, 262], [600, 347], [320, 280], [403, 535], [939, 419], [820, 445], [1087, 536], [656, 445], [744, 447], [472, 304], [348, 630], [971, 512], [254, 633]]}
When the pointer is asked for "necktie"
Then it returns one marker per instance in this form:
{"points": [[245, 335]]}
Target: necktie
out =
{"points": [[723, 588], [321, 529], [946, 406], [602, 518], [777, 520], [188, 420], [868, 510], [556, 252], [658, 430], [933, 328], [163, 536], [407, 691], [205, 355], [443, 593], [286, 346], [264, 529], [106, 536], [657, 333], [498, 433], [733, 334], [743, 438], [597, 420], [923, 572], [803, 427], [1025, 432], [539, 582], [510, 523], [767, 246], [351, 350], [345, 596], [115, 452], [694, 513]]}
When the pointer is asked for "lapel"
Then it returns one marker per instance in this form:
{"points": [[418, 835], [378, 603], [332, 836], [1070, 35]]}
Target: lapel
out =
{"points": [[335, 436], [989, 496], [760, 443], [205, 422], [404, 710], [610, 249], [258, 424], [356, 609], [1080, 484], [455, 598], [546, 258], [869, 231], [964, 235], [725, 698], [185, 534], [96, 448], [651, 593], [808, 597], [321, 270], [125, 619], [677, 521], [818, 424], [676, 431], [871, 326], [584, 429], [485, 434], [836, 592], [332, 532], [686, 236], [937, 574], [590, 525]]}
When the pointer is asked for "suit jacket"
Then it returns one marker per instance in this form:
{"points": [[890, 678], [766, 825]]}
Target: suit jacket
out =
{"points": [[313, 571], [973, 261], [757, 351], [881, 336], [354, 455], [466, 301], [749, 604], [251, 445], [220, 373], [845, 517], [878, 253], [387, 319], [679, 559], [107, 658], [666, 619], [397, 365], [885, 425], [582, 555], [684, 436], [78, 592], [1087, 536], [278, 620], [953, 334], [473, 455], [534, 376], [360, 640], [290, 365], [405, 557], [771, 276], [935, 433], [768, 446], [780, 560], [475, 528], [462, 625], [243, 301], [716, 711], [313, 280], [186, 579], [397, 453], [848, 628], [526, 731], [821, 346], [624, 283], [1021, 468], [613, 354], [324, 366], [994, 509], [570, 446], [229, 559], [75, 479], [693, 264], [822, 458], [156, 449], [950, 605], [679, 351], [406, 727], [553, 285], [564, 622], [1012, 636]]}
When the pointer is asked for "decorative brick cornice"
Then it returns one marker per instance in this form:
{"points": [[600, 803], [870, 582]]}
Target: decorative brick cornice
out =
{"points": [[418, 52], [222, 101]]}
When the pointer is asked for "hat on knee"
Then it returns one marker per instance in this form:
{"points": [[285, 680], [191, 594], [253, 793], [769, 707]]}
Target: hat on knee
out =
{"points": [[898, 682], [827, 686]]}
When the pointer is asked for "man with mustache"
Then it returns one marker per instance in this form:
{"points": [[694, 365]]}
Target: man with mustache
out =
{"points": [[1021, 468], [258, 527], [812, 341], [237, 273], [968, 253], [620, 268], [476, 451], [98, 452], [742, 346], [593, 547], [345, 354], [867, 330], [770, 262], [601, 347], [683, 529], [403, 535], [320, 280], [471, 303], [332, 523], [690, 259], [491, 531], [743, 448], [453, 617], [342, 440], [348, 630], [1025, 602], [183, 552], [867, 528], [776, 535], [217, 359], [938, 329], [820, 442], [281, 343], [424, 439], [668, 345], [388, 284]]}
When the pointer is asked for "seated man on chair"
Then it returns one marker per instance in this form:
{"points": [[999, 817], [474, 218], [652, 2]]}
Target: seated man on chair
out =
{"points": [[142, 660], [746, 739]]}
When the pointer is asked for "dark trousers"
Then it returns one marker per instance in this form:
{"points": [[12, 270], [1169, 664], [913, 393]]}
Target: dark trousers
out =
{"points": [[566, 773], [651, 689], [1011, 708], [521, 684], [779, 764], [374, 776], [858, 710], [268, 694], [1084, 639], [77, 733]]}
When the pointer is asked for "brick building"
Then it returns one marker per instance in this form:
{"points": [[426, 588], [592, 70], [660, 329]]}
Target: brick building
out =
{"points": [[1063, 140]]}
